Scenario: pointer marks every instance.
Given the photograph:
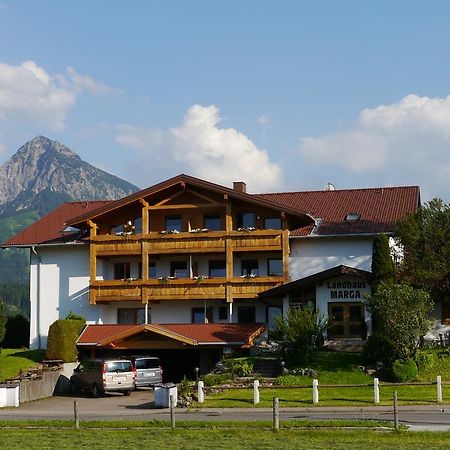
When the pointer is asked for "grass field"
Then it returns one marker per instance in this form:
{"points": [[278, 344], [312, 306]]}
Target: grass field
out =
{"points": [[12, 360], [219, 437], [338, 368]]}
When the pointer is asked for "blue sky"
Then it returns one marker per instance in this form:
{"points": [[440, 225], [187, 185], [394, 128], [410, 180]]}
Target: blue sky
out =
{"points": [[284, 95]]}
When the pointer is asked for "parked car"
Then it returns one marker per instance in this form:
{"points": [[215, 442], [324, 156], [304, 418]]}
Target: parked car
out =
{"points": [[148, 370], [103, 375]]}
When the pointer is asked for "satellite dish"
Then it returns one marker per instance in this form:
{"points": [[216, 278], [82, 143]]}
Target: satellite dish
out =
{"points": [[329, 187]]}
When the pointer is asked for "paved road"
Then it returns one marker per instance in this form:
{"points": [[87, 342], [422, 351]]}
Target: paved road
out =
{"points": [[139, 406]]}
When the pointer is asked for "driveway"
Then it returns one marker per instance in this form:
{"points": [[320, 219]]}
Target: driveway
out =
{"points": [[139, 406]]}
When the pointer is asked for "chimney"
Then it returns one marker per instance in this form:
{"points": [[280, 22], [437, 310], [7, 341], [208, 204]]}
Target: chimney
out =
{"points": [[240, 186]]}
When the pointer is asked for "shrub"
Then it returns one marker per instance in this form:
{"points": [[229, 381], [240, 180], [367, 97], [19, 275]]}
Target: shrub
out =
{"points": [[378, 351], [62, 337], [184, 387], [300, 333], [241, 368], [214, 379], [403, 371], [424, 360], [17, 332], [3, 320]]}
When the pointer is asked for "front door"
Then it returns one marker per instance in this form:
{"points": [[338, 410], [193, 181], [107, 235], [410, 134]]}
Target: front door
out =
{"points": [[346, 320]]}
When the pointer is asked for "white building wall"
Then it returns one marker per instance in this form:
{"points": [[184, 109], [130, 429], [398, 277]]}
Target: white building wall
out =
{"points": [[313, 255], [354, 294], [59, 284]]}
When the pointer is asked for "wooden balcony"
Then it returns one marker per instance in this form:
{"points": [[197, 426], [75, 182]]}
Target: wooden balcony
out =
{"points": [[202, 242], [212, 241], [179, 289], [107, 245]]}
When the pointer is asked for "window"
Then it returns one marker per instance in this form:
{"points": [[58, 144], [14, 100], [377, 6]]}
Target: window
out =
{"points": [[217, 269], [152, 269], [249, 267], [352, 217], [246, 314], [223, 313], [178, 269], [128, 316], [275, 267], [212, 223], [173, 223], [272, 223], [198, 315], [246, 220], [121, 270]]}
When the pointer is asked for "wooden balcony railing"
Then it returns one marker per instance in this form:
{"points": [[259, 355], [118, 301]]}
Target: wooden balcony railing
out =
{"points": [[202, 242], [179, 289]]}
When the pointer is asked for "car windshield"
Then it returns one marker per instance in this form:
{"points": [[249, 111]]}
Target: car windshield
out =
{"points": [[118, 366], [148, 363]]}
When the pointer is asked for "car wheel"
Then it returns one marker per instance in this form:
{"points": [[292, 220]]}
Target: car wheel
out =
{"points": [[95, 392], [126, 393]]}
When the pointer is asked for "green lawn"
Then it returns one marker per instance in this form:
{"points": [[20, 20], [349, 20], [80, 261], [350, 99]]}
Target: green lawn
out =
{"points": [[232, 437], [12, 360], [338, 368]]}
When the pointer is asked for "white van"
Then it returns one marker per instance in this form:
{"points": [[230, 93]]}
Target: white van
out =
{"points": [[99, 376]]}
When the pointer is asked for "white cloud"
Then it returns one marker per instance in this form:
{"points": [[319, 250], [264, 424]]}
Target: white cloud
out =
{"points": [[140, 138], [201, 148], [264, 120], [79, 83], [404, 142], [30, 95]]}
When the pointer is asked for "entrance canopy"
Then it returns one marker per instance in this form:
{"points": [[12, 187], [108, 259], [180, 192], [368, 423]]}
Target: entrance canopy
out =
{"points": [[169, 336]]}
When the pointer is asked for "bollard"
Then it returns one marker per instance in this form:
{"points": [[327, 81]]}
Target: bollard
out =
{"points": [[276, 414], [255, 392], [75, 415], [376, 391], [439, 388], [200, 393], [395, 411], [315, 391], [196, 373], [172, 411]]}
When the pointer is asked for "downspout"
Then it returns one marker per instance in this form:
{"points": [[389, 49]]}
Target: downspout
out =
{"points": [[38, 296]]}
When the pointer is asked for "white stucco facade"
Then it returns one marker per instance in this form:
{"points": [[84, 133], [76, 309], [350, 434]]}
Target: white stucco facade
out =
{"points": [[59, 284], [316, 254]]}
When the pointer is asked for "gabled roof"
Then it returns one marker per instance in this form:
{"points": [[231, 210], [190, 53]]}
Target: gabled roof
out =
{"points": [[184, 180], [221, 334], [315, 278], [49, 230], [378, 209]]}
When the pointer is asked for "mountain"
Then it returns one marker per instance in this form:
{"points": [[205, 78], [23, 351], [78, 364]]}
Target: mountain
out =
{"points": [[45, 173], [41, 175]]}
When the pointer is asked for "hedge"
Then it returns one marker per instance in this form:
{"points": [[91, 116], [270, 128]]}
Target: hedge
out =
{"points": [[62, 337]]}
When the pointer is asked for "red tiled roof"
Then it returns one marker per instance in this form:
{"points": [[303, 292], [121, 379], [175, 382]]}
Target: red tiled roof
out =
{"points": [[379, 208], [208, 333], [49, 229]]}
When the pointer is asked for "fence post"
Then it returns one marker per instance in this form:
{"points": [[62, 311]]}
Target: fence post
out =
{"points": [[315, 391], [439, 388], [172, 411], [276, 414], [395, 411], [255, 392], [75, 415], [376, 391], [200, 393]]}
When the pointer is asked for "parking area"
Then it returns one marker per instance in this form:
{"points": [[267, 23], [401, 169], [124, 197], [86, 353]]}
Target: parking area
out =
{"points": [[110, 406]]}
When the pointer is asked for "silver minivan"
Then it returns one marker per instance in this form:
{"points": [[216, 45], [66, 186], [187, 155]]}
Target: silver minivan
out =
{"points": [[103, 375], [148, 370]]}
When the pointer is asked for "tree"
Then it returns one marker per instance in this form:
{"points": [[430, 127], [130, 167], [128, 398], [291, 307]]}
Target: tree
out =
{"points": [[425, 238], [3, 320], [402, 316], [300, 333], [382, 264]]}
